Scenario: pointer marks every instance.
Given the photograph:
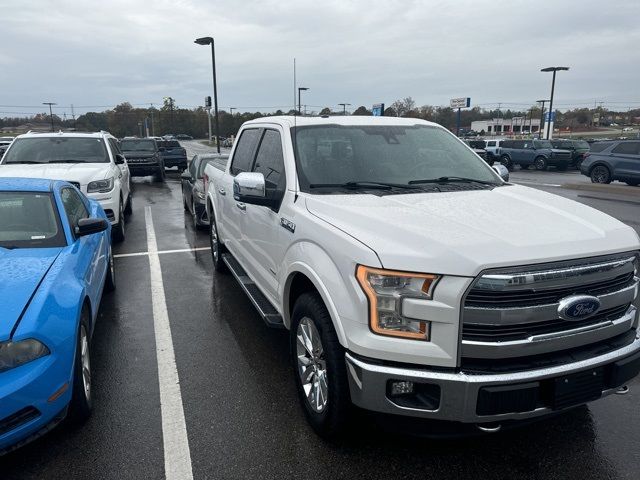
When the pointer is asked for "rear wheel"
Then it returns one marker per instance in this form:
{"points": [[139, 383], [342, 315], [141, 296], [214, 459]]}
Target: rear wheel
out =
{"points": [[506, 161], [600, 174], [217, 248], [318, 362], [117, 232], [81, 400], [540, 163]]}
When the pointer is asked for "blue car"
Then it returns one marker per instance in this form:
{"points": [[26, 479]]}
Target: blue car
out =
{"points": [[55, 262]]}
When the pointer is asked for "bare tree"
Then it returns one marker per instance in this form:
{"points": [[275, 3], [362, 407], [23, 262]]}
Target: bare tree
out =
{"points": [[403, 106]]}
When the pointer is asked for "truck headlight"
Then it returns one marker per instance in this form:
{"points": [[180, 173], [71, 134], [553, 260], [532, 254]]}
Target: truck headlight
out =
{"points": [[100, 186], [14, 354], [385, 290]]}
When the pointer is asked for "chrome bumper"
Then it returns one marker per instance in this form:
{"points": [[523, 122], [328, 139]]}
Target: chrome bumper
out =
{"points": [[459, 391]]}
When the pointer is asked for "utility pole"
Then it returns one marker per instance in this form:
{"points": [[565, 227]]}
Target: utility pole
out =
{"points": [[344, 107], [231, 109], [73, 115], [153, 131], [541, 127], [301, 89], [50, 112]]}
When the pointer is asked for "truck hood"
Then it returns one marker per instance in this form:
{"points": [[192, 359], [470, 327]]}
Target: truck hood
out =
{"points": [[21, 271], [462, 233], [83, 173]]}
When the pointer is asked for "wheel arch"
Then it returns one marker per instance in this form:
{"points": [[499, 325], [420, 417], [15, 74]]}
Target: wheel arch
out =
{"points": [[601, 163]]}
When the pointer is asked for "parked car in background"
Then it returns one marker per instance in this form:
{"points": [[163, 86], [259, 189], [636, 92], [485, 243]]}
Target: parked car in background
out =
{"points": [[55, 262], [4, 144], [578, 149], [492, 147], [614, 160], [539, 153], [92, 162], [144, 157], [478, 147], [193, 194], [184, 136], [173, 154]]}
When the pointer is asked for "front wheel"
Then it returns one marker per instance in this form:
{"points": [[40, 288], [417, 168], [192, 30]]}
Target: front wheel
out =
{"points": [[600, 174], [540, 163], [506, 161], [319, 366], [81, 401]]}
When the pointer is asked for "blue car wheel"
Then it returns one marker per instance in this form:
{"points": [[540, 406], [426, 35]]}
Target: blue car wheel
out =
{"points": [[81, 401]]}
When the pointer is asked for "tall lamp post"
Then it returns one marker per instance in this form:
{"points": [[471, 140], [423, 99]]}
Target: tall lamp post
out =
{"points": [[209, 41], [344, 107], [553, 84], [50, 112], [300, 89]]}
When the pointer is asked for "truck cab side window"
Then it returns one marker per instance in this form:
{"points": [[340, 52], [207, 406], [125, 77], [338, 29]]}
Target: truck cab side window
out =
{"points": [[244, 152], [270, 160]]}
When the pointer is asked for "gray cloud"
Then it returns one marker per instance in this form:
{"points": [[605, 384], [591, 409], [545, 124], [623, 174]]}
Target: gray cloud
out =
{"points": [[356, 51]]}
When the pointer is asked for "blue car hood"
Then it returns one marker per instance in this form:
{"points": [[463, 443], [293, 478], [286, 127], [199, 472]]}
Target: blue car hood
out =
{"points": [[21, 271]]}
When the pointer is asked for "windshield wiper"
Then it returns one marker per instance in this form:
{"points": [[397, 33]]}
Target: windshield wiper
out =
{"points": [[451, 180], [21, 161], [66, 161], [361, 185]]}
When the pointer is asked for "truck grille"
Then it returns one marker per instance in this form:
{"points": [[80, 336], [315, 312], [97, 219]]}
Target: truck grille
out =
{"points": [[515, 311]]}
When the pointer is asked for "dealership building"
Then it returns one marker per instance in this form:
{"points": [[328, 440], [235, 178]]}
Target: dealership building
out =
{"points": [[507, 126]]}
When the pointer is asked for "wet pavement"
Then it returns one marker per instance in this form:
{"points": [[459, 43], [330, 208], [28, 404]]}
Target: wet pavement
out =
{"points": [[241, 411]]}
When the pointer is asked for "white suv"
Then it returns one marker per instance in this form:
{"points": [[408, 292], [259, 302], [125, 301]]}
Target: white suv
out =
{"points": [[92, 162]]}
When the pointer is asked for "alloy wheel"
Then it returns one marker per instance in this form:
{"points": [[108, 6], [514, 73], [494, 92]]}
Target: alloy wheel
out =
{"points": [[213, 238], [312, 366], [86, 363]]}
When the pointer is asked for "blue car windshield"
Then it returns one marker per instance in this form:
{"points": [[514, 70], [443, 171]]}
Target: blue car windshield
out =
{"points": [[29, 220]]}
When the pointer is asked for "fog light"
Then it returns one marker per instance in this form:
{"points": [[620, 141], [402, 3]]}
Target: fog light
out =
{"points": [[403, 387]]}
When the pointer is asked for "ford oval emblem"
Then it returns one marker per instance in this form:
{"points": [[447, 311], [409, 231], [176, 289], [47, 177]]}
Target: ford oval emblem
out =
{"points": [[578, 307]]}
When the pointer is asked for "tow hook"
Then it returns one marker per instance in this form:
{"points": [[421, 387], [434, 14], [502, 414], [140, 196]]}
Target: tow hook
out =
{"points": [[622, 390], [489, 427]]}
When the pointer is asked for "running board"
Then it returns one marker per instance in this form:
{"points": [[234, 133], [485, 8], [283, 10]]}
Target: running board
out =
{"points": [[266, 310]]}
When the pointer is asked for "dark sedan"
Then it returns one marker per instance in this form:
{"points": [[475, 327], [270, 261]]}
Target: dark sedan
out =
{"points": [[615, 160], [193, 194]]}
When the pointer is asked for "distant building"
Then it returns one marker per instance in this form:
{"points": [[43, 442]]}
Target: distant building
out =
{"points": [[507, 126]]}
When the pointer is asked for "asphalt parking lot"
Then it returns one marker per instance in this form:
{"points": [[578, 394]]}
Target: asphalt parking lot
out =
{"points": [[241, 414]]}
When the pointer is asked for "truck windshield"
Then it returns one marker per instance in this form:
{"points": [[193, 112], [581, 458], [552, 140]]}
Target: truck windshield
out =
{"points": [[391, 154], [29, 220], [138, 146], [57, 150]]}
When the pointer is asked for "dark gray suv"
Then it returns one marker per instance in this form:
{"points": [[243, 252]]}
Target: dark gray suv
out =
{"points": [[538, 153], [615, 160]]}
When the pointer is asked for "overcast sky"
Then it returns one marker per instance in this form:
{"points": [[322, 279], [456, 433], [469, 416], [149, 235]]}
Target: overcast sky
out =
{"points": [[91, 53]]}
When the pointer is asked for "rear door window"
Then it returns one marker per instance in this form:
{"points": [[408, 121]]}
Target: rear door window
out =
{"points": [[245, 150], [599, 146], [627, 148]]}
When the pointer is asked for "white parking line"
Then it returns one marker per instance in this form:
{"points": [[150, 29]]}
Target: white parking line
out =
{"points": [[161, 252], [177, 457]]}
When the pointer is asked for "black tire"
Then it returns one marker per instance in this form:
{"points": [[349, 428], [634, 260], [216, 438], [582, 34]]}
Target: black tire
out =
{"points": [[118, 230], [331, 420], [540, 163], [217, 247], [194, 216], [81, 398], [184, 201], [110, 282], [506, 161], [128, 210], [600, 174]]}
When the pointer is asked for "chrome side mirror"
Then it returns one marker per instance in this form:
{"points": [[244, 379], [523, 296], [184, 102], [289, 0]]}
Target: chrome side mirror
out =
{"points": [[502, 171], [248, 186]]}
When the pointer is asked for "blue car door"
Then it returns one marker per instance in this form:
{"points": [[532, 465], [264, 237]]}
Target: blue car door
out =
{"points": [[88, 250]]}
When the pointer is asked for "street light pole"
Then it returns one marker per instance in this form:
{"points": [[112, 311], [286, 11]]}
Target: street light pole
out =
{"points": [[344, 107], [50, 112], [553, 84], [300, 89], [209, 41]]}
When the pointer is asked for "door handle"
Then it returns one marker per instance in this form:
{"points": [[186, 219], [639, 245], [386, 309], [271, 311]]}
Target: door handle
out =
{"points": [[241, 206], [221, 191]]}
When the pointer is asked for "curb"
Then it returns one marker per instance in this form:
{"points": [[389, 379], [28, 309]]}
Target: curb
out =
{"points": [[625, 191]]}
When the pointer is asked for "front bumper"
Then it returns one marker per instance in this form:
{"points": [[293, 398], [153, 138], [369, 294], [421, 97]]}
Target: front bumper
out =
{"points": [[110, 203], [143, 169], [491, 397], [176, 161], [27, 404]]}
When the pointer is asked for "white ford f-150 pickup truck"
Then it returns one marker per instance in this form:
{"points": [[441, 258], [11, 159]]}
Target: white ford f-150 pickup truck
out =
{"points": [[415, 281]]}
